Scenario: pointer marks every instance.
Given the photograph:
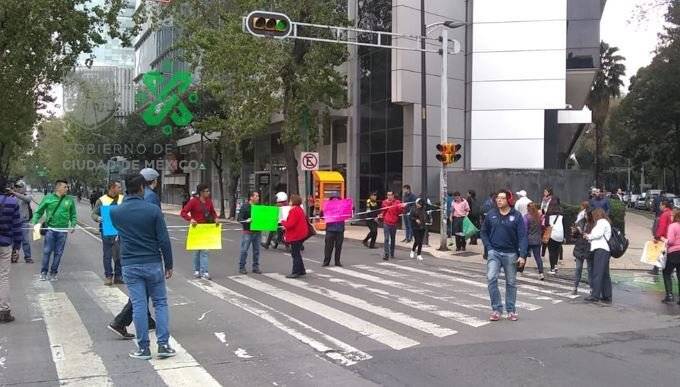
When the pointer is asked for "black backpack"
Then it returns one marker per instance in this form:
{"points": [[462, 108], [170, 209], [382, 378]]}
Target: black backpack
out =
{"points": [[618, 243]]}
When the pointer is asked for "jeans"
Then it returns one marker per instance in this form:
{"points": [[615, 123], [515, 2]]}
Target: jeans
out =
{"points": [[111, 252], [372, 233], [148, 281], [579, 271], [602, 282], [26, 232], [672, 264], [298, 264], [418, 236], [408, 227], [5, 257], [554, 252], [458, 232], [333, 241], [536, 251], [247, 239], [201, 261], [508, 261], [53, 246], [390, 233], [276, 237]]}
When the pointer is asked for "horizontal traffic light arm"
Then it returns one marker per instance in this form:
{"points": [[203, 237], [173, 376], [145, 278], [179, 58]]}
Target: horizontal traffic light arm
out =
{"points": [[342, 35]]}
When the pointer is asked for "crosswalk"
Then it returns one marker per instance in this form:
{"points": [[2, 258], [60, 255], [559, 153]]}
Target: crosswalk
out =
{"points": [[345, 315]]}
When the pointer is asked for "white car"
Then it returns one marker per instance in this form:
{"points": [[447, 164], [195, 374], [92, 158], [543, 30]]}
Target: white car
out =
{"points": [[676, 203]]}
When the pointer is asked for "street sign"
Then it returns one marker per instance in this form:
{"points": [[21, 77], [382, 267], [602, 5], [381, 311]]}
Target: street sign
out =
{"points": [[309, 161]]}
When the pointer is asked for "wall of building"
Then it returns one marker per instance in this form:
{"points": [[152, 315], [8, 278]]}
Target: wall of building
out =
{"points": [[518, 72]]}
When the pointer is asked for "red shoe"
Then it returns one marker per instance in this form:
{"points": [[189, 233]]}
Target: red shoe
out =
{"points": [[495, 316], [512, 316]]}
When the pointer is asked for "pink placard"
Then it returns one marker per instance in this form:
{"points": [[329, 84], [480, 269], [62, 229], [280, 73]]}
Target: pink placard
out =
{"points": [[337, 210]]}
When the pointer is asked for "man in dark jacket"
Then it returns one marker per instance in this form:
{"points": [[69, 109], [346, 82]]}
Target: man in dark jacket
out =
{"points": [[146, 257], [248, 237], [504, 235], [335, 235], [409, 199], [10, 238]]}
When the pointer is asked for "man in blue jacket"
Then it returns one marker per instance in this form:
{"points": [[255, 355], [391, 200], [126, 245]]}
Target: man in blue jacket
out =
{"points": [[505, 237], [10, 238], [144, 236]]}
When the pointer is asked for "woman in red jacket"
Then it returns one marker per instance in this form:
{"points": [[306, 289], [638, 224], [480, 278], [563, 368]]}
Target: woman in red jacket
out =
{"points": [[296, 231]]}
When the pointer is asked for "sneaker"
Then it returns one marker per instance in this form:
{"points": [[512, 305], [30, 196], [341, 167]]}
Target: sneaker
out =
{"points": [[256, 271], [412, 254], [108, 281], [165, 351], [53, 277], [293, 275], [243, 271], [574, 292], [591, 299], [386, 257], [29, 260], [512, 316], [420, 257], [142, 354], [197, 274], [552, 271], [206, 276], [121, 331], [541, 277], [495, 316], [266, 246], [43, 276]]}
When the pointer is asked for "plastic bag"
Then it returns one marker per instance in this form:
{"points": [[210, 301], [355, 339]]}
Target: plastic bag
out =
{"points": [[469, 229], [651, 252]]}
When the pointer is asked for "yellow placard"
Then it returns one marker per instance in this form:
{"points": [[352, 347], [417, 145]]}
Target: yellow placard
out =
{"points": [[36, 232], [651, 252], [205, 237]]}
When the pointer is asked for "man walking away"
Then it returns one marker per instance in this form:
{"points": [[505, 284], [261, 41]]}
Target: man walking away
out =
{"points": [[409, 199], [391, 210], [335, 235], [10, 238], [248, 237], [151, 178], [200, 209], [110, 244], [504, 234], [371, 214], [522, 202], [24, 200], [419, 217], [60, 218], [144, 236]]}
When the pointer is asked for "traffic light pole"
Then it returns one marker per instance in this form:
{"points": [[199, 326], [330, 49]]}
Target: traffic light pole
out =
{"points": [[444, 109]]}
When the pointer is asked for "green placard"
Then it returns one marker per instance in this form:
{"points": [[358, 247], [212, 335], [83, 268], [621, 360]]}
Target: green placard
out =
{"points": [[264, 218]]}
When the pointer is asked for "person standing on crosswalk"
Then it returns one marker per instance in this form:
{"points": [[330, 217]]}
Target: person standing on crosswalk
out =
{"points": [[10, 238], [110, 244], [249, 237], [60, 219], [504, 235], [335, 235], [391, 211], [419, 220], [200, 209], [296, 230], [146, 256]]}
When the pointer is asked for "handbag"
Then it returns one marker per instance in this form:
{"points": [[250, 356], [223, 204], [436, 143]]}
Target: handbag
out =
{"points": [[547, 232], [311, 231], [43, 226]]}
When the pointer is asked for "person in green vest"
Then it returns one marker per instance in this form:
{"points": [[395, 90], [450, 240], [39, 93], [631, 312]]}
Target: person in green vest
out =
{"points": [[60, 219], [110, 243]]}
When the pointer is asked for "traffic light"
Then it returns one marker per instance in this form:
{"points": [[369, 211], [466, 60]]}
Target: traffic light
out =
{"points": [[268, 24], [448, 153]]}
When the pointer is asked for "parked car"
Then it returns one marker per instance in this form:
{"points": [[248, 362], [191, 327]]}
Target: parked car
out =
{"points": [[641, 204], [676, 203], [632, 200]]}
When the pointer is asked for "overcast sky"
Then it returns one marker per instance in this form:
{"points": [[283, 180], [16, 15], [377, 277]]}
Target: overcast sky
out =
{"points": [[636, 41]]}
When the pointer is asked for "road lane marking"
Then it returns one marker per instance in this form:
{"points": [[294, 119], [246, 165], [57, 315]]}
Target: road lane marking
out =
{"points": [[181, 370], [402, 318], [343, 353], [470, 282], [520, 280], [72, 348], [365, 328], [456, 316]]}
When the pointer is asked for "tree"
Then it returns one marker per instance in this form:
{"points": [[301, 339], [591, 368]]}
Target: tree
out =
{"points": [[255, 79], [39, 44], [606, 85]]}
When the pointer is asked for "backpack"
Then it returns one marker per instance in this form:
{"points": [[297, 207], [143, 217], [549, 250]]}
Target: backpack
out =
{"points": [[618, 243]]}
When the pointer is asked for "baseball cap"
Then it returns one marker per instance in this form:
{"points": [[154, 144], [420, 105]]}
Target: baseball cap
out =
{"points": [[521, 193], [281, 197], [149, 174]]}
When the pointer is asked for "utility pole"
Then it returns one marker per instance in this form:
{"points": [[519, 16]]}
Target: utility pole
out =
{"points": [[423, 103], [444, 109]]}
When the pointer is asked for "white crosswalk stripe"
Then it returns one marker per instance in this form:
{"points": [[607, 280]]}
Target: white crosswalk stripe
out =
{"points": [[390, 314], [457, 316], [483, 284], [363, 327], [522, 279], [181, 370], [343, 353]]}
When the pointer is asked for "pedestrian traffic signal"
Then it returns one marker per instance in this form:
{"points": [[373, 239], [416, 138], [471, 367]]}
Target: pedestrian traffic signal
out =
{"points": [[448, 153], [268, 24]]}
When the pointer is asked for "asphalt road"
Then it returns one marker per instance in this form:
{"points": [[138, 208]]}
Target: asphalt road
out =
{"points": [[400, 324]]}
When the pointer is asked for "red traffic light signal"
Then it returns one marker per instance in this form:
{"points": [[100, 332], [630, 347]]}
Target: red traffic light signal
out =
{"points": [[448, 153], [268, 24]]}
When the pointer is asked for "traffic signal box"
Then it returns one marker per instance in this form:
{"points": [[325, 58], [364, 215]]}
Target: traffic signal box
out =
{"points": [[268, 24], [448, 153]]}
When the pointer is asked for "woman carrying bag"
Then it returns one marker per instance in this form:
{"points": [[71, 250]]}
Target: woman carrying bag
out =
{"points": [[419, 223], [296, 231], [534, 223], [553, 237], [673, 258], [599, 246], [584, 225]]}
